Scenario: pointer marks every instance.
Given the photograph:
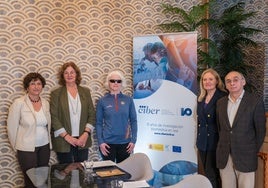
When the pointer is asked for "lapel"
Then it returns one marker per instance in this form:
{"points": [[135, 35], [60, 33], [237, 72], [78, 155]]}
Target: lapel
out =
{"points": [[65, 105], [29, 104], [46, 110], [223, 112], [211, 103], [82, 99]]}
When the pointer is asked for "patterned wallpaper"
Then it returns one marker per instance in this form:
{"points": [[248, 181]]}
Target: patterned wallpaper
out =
{"points": [[40, 35]]}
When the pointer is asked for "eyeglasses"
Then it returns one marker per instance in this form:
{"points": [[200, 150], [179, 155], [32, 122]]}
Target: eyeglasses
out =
{"points": [[235, 80], [115, 81]]}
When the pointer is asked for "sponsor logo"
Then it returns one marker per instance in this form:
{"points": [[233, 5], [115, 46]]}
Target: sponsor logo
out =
{"points": [[186, 112], [143, 109], [147, 110]]}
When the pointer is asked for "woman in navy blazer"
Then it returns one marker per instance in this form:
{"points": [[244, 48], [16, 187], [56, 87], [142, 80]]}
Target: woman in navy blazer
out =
{"points": [[211, 89]]}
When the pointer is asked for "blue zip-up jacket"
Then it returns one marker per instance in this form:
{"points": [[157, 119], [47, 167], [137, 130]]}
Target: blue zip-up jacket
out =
{"points": [[116, 120]]}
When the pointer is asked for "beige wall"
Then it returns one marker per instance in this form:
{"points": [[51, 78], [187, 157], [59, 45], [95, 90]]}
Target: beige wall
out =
{"points": [[39, 35]]}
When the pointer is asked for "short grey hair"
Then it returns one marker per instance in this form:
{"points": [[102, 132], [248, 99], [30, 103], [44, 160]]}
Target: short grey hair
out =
{"points": [[118, 73]]}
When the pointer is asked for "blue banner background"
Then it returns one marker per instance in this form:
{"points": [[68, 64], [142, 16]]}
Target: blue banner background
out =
{"points": [[165, 97]]}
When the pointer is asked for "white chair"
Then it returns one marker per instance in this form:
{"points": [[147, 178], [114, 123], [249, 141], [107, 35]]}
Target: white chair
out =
{"points": [[139, 166], [192, 181], [38, 176]]}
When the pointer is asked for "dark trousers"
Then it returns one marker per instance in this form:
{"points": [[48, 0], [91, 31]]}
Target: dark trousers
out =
{"points": [[118, 153], [75, 155], [40, 157], [208, 159]]}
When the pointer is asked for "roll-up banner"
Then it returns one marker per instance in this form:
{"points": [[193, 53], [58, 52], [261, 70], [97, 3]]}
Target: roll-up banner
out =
{"points": [[165, 86]]}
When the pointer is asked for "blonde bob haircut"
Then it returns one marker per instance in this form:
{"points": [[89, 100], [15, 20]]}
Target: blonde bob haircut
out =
{"points": [[118, 73], [220, 84]]}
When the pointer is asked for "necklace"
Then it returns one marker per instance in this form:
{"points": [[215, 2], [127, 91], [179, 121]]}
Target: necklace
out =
{"points": [[34, 101]]}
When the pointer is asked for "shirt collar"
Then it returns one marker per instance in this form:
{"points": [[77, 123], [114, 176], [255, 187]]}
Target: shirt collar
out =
{"points": [[239, 98]]}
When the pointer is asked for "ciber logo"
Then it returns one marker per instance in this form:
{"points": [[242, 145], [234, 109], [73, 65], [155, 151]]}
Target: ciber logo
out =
{"points": [[147, 110]]}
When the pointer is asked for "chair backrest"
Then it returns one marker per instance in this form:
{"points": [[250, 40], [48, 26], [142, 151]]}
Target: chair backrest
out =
{"points": [[38, 175], [192, 181], [139, 166]]}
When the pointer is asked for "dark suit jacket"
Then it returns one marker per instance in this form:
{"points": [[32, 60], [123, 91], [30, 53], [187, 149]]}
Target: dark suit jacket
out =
{"points": [[207, 130], [244, 139], [60, 116]]}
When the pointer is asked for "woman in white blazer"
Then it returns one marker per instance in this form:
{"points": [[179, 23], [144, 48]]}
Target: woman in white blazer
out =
{"points": [[28, 126]]}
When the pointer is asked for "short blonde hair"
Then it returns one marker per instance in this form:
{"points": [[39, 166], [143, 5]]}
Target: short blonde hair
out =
{"points": [[118, 73]]}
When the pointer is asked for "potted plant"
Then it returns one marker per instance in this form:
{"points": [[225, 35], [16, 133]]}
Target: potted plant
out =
{"points": [[226, 47], [232, 38]]}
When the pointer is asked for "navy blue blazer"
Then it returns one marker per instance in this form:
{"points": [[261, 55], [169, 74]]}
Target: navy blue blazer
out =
{"points": [[207, 130]]}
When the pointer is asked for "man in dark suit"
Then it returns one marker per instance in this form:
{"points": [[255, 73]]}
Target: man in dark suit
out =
{"points": [[241, 120]]}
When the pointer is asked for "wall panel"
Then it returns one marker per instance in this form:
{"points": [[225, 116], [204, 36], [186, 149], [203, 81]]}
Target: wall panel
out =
{"points": [[40, 35]]}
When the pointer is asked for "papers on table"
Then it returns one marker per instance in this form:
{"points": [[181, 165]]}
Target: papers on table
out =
{"points": [[107, 173], [135, 184], [107, 163], [98, 164]]}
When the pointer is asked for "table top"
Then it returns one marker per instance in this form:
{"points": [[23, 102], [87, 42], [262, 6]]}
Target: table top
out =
{"points": [[74, 175]]}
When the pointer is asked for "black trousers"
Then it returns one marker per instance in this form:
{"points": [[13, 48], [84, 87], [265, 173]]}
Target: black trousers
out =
{"points": [[208, 159], [75, 155], [40, 157], [118, 153]]}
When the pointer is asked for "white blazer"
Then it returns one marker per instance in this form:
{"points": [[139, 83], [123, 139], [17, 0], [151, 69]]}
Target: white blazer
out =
{"points": [[21, 123]]}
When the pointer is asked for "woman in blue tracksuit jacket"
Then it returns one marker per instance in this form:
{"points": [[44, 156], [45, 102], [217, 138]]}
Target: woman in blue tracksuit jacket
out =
{"points": [[116, 120]]}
